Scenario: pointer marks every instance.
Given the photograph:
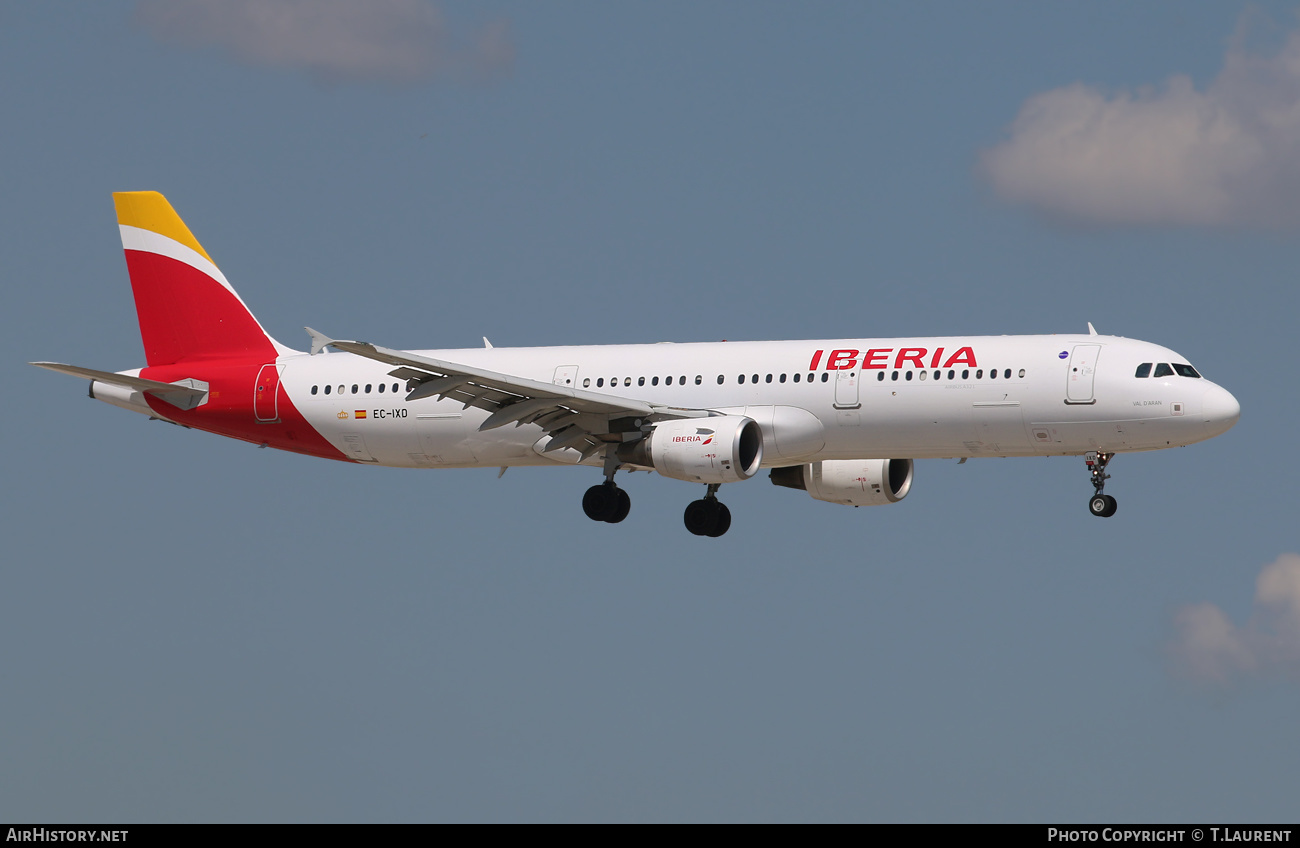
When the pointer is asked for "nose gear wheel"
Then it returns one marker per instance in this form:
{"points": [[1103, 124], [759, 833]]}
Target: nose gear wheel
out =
{"points": [[1100, 505]]}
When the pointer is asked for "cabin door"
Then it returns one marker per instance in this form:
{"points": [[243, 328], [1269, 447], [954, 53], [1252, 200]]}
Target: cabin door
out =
{"points": [[1083, 369]]}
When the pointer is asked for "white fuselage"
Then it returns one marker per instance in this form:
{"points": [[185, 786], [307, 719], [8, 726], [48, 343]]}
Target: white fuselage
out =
{"points": [[815, 400]]}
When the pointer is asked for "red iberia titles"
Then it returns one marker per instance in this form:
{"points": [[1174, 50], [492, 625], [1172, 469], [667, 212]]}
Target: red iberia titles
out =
{"points": [[914, 357]]}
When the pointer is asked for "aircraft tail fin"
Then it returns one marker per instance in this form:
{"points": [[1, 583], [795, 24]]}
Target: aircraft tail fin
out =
{"points": [[186, 307]]}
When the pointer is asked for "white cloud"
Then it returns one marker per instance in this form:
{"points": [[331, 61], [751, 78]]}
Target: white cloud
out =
{"points": [[1210, 649], [397, 41], [1228, 156]]}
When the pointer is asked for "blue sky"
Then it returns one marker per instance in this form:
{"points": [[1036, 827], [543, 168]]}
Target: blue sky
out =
{"points": [[196, 630]]}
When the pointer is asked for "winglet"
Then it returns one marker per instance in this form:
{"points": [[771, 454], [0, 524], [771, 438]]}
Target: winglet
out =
{"points": [[318, 340], [1092, 331], [487, 344]]}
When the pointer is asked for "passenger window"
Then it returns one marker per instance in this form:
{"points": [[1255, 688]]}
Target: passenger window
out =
{"points": [[894, 376], [627, 381], [907, 376], [925, 374], [769, 378], [654, 381], [938, 374], [782, 378], [880, 377], [1185, 370], [979, 373], [754, 378], [681, 381], [993, 373], [965, 373], [1144, 370], [367, 388], [382, 386], [952, 374], [1163, 370], [1022, 373], [668, 381], [600, 382], [721, 379], [699, 379], [740, 379], [1006, 374], [313, 389], [640, 381], [327, 389], [342, 389]]}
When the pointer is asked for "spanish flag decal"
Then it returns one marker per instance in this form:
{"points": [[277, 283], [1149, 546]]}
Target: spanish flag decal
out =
{"points": [[360, 413]]}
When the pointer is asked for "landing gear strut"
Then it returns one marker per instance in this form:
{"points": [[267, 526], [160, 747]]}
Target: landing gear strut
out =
{"points": [[708, 516], [1102, 506], [606, 501]]}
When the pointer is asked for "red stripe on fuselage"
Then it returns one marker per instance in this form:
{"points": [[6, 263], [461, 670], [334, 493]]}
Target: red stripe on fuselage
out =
{"points": [[229, 410]]}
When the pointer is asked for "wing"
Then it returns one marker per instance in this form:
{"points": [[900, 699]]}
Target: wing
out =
{"points": [[574, 418]]}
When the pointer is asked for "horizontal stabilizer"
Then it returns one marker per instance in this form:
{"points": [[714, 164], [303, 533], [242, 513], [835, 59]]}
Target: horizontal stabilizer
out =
{"points": [[185, 394]]}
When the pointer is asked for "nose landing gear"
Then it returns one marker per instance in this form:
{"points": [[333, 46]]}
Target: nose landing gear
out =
{"points": [[1100, 505], [708, 516]]}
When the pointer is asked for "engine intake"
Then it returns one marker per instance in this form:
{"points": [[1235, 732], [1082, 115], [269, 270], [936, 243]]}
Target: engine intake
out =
{"points": [[852, 482], [725, 449]]}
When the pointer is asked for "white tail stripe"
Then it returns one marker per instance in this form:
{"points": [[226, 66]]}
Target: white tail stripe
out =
{"points": [[134, 238]]}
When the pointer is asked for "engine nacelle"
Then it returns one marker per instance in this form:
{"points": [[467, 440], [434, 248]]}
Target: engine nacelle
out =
{"points": [[852, 482], [725, 449]]}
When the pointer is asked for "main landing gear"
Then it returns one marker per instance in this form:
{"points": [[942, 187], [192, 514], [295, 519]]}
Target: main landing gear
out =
{"points": [[1102, 506], [607, 502], [708, 516]]}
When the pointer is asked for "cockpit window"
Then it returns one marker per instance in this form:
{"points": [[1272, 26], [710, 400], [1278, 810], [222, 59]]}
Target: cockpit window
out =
{"points": [[1185, 370], [1163, 370], [1144, 370]]}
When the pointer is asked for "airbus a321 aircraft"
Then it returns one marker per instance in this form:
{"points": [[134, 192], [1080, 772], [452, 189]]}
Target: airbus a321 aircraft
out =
{"points": [[842, 419]]}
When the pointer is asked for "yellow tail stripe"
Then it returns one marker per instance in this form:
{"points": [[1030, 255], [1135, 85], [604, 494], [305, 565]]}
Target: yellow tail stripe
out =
{"points": [[149, 210]]}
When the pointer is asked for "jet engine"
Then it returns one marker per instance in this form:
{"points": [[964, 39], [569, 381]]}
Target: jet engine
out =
{"points": [[725, 449], [852, 482]]}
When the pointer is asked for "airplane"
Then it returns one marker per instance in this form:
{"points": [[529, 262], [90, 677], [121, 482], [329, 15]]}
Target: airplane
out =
{"points": [[841, 419]]}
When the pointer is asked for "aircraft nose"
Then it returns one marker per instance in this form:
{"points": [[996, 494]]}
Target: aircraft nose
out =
{"points": [[1219, 410]]}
